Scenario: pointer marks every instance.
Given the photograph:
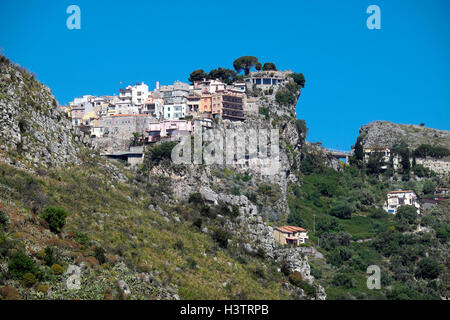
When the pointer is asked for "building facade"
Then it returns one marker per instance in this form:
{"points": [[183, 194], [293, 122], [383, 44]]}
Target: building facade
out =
{"points": [[395, 199], [290, 235]]}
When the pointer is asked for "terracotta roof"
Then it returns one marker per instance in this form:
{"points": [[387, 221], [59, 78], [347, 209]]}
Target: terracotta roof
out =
{"points": [[290, 229], [401, 191]]}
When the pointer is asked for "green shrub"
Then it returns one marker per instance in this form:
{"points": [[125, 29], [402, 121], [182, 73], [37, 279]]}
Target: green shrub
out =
{"points": [[428, 187], [221, 237], [29, 279], [316, 272], [160, 152], [192, 264], [196, 198], [343, 280], [99, 254], [406, 214], [55, 217], [265, 112], [309, 290], [342, 210], [299, 79], [179, 245], [49, 256], [4, 219], [57, 269], [428, 269], [21, 264], [296, 278], [426, 150], [301, 127], [285, 97], [81, 238], [198, 222]]}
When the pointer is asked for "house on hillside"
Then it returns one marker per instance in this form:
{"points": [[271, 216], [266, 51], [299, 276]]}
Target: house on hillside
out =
{"points": [[290, 235], [395, 199], [441, 191]]}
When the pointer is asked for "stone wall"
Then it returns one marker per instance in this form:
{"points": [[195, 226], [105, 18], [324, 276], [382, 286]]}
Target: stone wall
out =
{"points": [[440, 166]]}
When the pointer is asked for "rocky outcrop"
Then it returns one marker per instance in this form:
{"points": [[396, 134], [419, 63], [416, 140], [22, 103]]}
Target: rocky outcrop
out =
{"points": [[34, 130], [387, 134], [255, 234]]}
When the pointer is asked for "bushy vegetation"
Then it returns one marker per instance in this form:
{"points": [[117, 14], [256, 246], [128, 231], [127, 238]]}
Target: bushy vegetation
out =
{"points": [[20, 264], [160, 153], [55, 217], [117, 231], [342, 211], [426, 150]]}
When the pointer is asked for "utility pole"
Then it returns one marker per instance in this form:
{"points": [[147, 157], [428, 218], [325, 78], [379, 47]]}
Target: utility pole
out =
{"points": [[314, 228]]}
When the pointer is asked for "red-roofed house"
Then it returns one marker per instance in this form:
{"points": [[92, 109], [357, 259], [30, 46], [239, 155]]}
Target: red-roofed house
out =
{"points": [[395, 199], [290, 235]]}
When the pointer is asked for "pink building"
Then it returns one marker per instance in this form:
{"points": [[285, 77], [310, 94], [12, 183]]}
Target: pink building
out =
{"points": [[168, 129]]}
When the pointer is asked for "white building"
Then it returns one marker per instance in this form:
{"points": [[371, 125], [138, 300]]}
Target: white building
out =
{"points": [[134, 95], [395, 199], [385, 156], [175, 111], [153, 106], [84, 102], [208, 86], [175, 100]]}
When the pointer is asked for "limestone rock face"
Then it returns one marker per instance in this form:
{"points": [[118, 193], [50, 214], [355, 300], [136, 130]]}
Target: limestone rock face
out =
{"points": [[387, 134], [34, 132]]}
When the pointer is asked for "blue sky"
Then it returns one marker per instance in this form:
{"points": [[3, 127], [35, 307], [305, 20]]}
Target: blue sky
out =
{"points": [[354, 75]]}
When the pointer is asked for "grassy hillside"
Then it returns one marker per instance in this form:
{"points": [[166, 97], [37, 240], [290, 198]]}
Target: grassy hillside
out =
{"points": [[110, 228]]}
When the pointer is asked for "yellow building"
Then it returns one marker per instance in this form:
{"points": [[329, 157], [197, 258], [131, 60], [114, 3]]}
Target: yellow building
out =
{"points": [[290, 235]]}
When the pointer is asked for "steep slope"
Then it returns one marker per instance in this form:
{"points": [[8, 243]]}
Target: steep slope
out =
{"points": [[34, 132]]}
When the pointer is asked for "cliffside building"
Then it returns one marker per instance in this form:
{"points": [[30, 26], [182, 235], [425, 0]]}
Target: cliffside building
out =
{"points": [[290, 235]]}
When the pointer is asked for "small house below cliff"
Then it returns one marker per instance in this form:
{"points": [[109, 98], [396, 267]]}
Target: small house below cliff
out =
{"points": [[290, 235]]}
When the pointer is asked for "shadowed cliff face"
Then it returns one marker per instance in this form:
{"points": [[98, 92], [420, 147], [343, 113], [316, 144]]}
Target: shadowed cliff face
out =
{"points": [[34, 132]]}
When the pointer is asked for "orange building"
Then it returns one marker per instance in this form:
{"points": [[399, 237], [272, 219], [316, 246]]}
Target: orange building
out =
{"points": [[205, 103]]}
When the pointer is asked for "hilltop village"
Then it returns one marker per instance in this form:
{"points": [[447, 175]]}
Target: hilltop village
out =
{"points": [[138, 115]]}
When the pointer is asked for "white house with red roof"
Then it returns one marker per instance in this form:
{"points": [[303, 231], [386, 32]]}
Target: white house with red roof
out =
{"points": [[290, 235], [395, 199]]}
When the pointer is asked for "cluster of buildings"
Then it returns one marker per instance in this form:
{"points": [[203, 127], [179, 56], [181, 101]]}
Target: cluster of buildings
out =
{"points": [[158, 112]]}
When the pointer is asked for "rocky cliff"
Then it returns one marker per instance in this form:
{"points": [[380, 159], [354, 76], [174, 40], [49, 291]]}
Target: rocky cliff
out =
{"points": [[387, 134], [261, 199], [34, 132]]}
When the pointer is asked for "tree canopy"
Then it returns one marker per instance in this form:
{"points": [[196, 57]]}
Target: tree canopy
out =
{"points": [[245, 63], [197, 75], [225, 75], [268, 66], [299, 79]]}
